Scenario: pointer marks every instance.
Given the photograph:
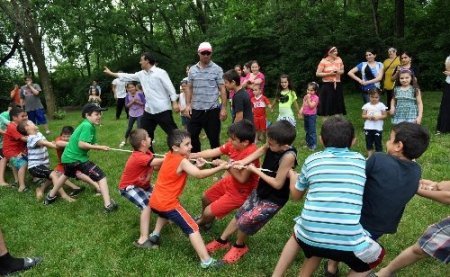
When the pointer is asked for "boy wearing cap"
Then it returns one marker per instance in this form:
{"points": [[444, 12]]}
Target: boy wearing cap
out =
{"points": [[75, 156]]}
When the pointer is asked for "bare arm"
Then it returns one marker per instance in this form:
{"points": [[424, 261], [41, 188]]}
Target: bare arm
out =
{"points": [[276, 182], [194, 171], [46, 143], [206, 154], [107, 71], [88, 146], [440, 196], [255, 155], [223, 96], [295, 193], [61, 143], [352, 75], [419, 107]]}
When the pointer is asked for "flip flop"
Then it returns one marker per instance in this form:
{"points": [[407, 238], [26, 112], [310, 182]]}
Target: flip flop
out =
{"points": [[146, 245]]}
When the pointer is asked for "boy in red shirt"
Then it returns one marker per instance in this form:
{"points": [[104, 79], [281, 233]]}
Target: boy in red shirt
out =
{"points": [[259, 104], [135, 181], [232, 190], [14, 145]]}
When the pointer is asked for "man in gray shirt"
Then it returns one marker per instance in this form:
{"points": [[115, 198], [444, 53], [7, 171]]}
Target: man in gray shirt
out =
{"points": [[205, 84], [33, 105]]}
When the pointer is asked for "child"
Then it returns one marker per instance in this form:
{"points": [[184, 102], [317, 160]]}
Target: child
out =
{"points": [[168, 188], [4, 121], [259, 104], [94, 95], [309, 113], [242, 107], [61, 143], [232, 190], [135, 181], [328, 225], [434, 242], [134, 101], [374, 112], [253, 77], [14, 145], [38, 158], [75, 156], [182, 102], [406, 105], [269, 197], [287, 97]]}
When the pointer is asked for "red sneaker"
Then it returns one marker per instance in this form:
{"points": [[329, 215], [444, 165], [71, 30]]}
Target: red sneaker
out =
{"points": [[235, 254], [214, 246]]}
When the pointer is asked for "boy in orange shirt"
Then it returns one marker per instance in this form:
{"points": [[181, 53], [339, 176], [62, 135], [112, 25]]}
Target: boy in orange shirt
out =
{"points": [[169, 186], [135, 181], [232, 190]]}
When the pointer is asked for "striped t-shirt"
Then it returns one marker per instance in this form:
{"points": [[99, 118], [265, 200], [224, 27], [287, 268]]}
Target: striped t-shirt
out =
{"points": [[37, 155], [205, 86], [335, 181]]}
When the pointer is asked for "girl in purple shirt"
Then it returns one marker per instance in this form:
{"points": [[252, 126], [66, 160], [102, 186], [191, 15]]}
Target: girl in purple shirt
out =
{"points": [[134, 101]]}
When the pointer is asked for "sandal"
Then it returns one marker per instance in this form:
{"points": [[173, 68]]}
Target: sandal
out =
{"points": [[326, 273], [146, 245], [235, 254]]}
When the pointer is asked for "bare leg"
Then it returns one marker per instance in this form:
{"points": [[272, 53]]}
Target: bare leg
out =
{"points": [[87, 179], [3, 163], [71, 185], [408, 256], [40, 190], [105, 192], [3, 249], [358, 274], [57, 185], [160, 222], [369, 153], [199, 246], [309, 266], [207, 216], [332, 266], [55, 178], [229, 230], [144, 225], [287, 256], [241, 238], [21, 175]]}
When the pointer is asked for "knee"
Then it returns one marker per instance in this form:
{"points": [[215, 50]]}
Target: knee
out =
{"points": [[418, 251]]}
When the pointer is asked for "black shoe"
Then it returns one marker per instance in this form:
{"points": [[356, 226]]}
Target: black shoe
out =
{"points": [[49, 200], [27, 264], [111, 207], [155, 240], [75, 192]]}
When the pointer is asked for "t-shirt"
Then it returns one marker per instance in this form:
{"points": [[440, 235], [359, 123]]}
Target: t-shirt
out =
{"points": [[169, 185], [121, 92], [306, 109], [241, 103], [205, 83], [259, 75], [137, 170], [335, 181], [328, 66], [287, 98], [235, 155], [391, 183], [37, 155], [12, 143], [59, 151], [374, 110], [389, 67], [135, 110], [362, 68], [266, 191], [32, 102], [84, 132], [259, 106]]}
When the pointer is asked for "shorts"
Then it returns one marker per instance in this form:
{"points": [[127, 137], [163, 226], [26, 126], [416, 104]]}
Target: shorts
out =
{"points": [[88, 168], [180, 217], [225, 197], [19, 161], [436, 240], [37, 116], [260, 123], [137, 195], [255, 213], [40, 171], [347, 257]]}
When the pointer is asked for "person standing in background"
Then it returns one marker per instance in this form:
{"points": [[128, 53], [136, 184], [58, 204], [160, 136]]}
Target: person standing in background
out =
{"points": [[390, 64], [119, 91], [33, 105]]}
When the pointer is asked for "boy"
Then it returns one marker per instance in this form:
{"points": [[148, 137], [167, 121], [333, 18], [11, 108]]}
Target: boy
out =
{"points": [[435, 242], [14, 145], [242, 107], [75, 156], [269, 197], [328, 225], [374, 112], [232, 190], [38, 158], [169, 186], [392, 180], [259, 104], [135, 181], [4, 121]]}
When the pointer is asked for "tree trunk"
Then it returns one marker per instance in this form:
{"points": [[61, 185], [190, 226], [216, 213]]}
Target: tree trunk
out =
{"points": [[399, 18], [22, 60], [375, 17], [11, 51]]}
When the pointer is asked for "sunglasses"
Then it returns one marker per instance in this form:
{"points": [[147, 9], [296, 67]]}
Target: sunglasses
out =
{"points": [[205, 53]]}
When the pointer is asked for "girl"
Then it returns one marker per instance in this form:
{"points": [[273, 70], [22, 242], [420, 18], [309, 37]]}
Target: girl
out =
{"points": [[374, 113], [287, 97], [94, 95], [255, 77], [134, 101], [309, 113], [407, 102]]}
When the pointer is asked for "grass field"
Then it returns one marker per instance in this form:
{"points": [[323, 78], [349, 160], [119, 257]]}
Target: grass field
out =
{"points": [[78, 239]]}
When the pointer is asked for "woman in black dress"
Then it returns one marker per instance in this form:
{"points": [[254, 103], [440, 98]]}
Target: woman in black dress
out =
{"points": [[443, 122]]}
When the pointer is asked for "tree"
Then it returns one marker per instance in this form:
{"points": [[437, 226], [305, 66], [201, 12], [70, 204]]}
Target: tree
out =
{"points": [[399, 18]]}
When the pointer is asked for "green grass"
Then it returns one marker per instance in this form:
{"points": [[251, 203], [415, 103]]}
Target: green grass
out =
{"points": [[78, 239]]}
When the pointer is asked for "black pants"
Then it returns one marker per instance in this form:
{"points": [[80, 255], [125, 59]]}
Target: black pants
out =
{"points": [[163, 119], [120, 106], [131, 121], [389, 95], [208, 120]]}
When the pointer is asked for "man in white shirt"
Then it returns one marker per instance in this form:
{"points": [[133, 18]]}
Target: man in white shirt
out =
{"points": [[160, 95], [119, 91]]}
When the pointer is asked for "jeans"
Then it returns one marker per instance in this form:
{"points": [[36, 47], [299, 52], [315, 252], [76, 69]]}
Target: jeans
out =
{"points": [[131, 121], [120, 106], [310, 130]]}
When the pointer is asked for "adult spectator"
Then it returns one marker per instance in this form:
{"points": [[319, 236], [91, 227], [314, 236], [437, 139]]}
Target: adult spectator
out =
{"points": [[443, 123], [15, 95], [371, 74], [390, 64], [160, 95], [331, 93], [119, 91], [406, 63], [10, 264], [95, 86], [205, 84], [33, 105]]}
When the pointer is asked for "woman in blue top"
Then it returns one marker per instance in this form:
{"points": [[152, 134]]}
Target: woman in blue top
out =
{"points": [[371, 74]]}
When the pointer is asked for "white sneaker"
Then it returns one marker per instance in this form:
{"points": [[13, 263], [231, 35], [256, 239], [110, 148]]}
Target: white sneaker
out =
{"points": [[122, 144]]}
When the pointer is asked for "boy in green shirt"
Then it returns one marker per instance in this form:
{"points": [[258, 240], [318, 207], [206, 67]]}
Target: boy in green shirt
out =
{"points": [[75, 156]]}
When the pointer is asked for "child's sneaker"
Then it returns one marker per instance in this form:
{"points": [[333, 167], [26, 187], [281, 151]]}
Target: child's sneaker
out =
{"points": [[215, 245], [75, 192], [49, 200], [122, 144], [155, 240], [213, 263], [235, 254], [111, 207]]}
